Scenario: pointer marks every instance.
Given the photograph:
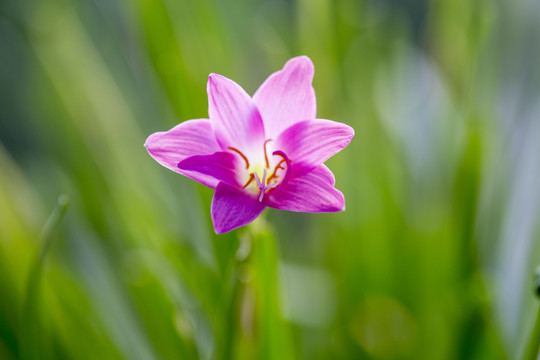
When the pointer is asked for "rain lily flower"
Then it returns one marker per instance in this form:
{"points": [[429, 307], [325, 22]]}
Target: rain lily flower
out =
{"points": [[265, 150]]}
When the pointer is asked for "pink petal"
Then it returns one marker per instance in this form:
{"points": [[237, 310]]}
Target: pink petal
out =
{"points": [[314, 141], [308, 190], [235, 118], [287, 96], [192, 137], [233, 207], [220, 165]]}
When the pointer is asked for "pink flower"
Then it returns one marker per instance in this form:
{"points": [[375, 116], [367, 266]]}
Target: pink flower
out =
{"points": [[268, 150]]}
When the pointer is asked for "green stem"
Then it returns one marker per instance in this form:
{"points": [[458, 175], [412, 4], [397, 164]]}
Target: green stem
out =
{"points": [[531, 353], [273, 332], [241, 257]]}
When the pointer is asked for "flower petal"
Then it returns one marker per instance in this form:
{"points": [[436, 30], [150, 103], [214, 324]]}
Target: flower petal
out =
{"points": [[220, 165], [308, 190], [192, 137], [233, 207], [287, 96], [235, 118], [314, 141]]}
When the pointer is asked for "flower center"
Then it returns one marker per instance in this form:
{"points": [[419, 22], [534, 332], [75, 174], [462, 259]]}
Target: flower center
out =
{"points": [[262, 186], [275, 171]]}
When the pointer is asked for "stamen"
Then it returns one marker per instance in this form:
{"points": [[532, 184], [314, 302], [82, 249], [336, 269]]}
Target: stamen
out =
{"points": [[249, 181], [278, 166], [242, 155], [266, 156], [273, 181], [288, 170]]}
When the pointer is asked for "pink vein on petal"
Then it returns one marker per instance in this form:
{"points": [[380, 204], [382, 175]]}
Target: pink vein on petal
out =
{"points": [[308, 190], [233, 208], [192, 137], [220, 165], [235, 118], [287, 96], [314, 141]]}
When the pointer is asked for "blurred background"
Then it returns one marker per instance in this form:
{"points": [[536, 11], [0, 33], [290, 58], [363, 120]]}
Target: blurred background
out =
{"points": [[104, 254]]}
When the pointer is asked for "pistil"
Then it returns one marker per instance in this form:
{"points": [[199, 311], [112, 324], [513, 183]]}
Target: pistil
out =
{"points": [[262, 186]]}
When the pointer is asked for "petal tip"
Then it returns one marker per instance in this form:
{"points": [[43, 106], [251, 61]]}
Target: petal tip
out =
{"points": [[302, 62], [214, 80], [337, 207], [148, 141], [351, 135], [301, 59], [219, 226], [219, 230]]}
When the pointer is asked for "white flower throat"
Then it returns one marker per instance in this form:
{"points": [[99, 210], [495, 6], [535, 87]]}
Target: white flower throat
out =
{"points": [[263, 178]]}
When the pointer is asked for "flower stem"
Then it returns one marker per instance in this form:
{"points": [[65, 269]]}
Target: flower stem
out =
{"points": [[531, 353], [273, 332]]}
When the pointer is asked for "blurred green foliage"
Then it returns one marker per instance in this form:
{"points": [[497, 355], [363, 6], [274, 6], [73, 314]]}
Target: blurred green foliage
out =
{"points": [[431, 259]]}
